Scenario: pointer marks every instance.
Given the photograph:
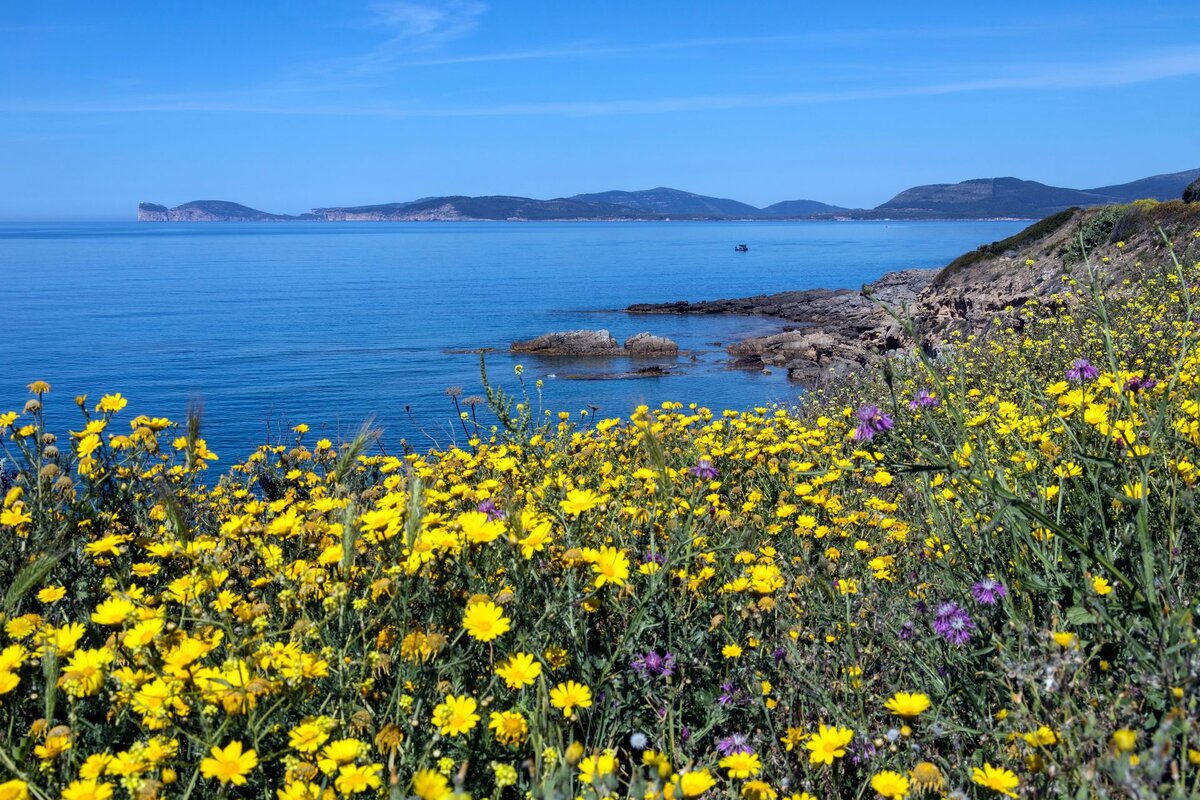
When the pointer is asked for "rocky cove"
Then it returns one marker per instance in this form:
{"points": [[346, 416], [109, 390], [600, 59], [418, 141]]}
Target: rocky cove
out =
{"points": [[831, 332]]}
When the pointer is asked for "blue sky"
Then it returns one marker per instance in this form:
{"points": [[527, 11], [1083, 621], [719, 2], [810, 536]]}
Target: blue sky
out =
{"points": [[289, 105]]}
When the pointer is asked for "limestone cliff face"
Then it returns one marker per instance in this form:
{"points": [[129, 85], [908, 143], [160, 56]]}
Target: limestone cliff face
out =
{"points": [[443, 213], [152, 212]]}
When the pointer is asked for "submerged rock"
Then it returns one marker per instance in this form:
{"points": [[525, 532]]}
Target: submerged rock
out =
{"points": [[644, 372]]}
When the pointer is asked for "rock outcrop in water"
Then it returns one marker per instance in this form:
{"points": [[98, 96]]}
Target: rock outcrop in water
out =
{"points": [[570, 343], [595, 343], [647, 344], [840, 330]]}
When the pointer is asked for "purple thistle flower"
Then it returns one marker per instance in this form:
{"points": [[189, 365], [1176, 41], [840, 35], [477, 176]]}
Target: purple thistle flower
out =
{"points": [[861, 750], [652, 665], [923, 400], [1139, 383], [490, 508], [704, 470], [988, 592], [1082, 370], [653, 558], [906, 631], [953, 624], [730, 695], [735, 743], [871, 421]]}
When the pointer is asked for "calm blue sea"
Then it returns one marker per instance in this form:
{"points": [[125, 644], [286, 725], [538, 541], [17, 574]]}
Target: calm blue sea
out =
{"points": [[274, 324]]}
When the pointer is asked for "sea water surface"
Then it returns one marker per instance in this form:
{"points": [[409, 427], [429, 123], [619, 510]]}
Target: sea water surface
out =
{"points": [[269, 325]]}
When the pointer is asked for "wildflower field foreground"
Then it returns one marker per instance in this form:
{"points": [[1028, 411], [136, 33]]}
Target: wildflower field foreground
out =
{"points": [[971, 576]]}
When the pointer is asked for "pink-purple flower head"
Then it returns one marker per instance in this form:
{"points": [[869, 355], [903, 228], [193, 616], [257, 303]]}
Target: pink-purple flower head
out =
{"points": [[988, 592], [731, 695], [923, 400], [652, 665], [871, 421], [1081, 370], [1139, 383], [734, 744], [704, 470], [490, 508], [953, 624]]}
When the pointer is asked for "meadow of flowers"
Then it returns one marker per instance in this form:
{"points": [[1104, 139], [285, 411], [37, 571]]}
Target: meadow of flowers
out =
{"points": [[972, 576]]}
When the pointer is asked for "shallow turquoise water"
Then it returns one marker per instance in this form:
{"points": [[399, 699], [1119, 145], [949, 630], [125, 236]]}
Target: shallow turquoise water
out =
{"points": [[273, 324]]}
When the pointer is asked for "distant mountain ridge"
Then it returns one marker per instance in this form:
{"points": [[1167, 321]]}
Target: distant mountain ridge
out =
{"points": [[1012, 197], [802, 208], [992, 197], [488, 207], [672, 201], [979, 198]]}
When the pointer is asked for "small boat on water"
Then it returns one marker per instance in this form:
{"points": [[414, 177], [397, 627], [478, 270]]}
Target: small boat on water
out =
{"points": [[741, 248]]}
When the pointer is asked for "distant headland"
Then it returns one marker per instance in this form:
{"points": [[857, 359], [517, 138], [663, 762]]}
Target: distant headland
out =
{"points": [[980, 198]]}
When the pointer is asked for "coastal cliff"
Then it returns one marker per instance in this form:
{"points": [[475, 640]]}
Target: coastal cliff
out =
{"points": [[840, 330], [209, 211]]}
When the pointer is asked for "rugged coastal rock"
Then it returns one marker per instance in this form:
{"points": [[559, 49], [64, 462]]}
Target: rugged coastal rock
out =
{"points": [[647, 344], [840, 330], [838, 327], [596, 343], [570, 343]]}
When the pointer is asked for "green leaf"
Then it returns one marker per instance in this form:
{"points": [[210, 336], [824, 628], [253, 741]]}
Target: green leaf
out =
{"points": [[1077, 615]]}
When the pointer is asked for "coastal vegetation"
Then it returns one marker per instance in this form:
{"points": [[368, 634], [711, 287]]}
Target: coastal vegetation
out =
{"points": [[973, 574]]}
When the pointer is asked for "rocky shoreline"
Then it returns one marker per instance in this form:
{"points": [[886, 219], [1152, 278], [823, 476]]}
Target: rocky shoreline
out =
{"points": [[839, 330], [835, 331], [837, 327]]}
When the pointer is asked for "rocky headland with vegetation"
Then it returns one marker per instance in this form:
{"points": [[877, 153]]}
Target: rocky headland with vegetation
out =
{"points": [[839, 330]]}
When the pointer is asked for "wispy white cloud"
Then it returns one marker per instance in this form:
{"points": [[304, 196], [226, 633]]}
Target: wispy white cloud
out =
{"points": [[412, 28], [591, 49], [1097, 75], [428, 23]]}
